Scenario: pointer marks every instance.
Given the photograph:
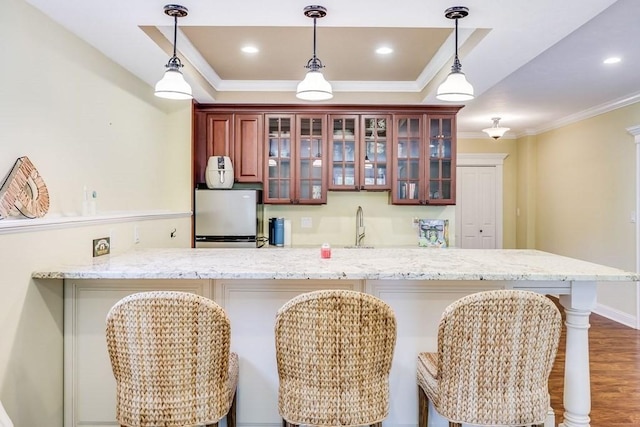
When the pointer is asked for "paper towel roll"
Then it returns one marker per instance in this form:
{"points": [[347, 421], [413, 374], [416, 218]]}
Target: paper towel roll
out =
{"points": [[287, 232]]}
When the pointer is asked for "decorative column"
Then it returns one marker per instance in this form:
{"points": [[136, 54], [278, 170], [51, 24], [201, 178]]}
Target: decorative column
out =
{"points": [[577, 389]]}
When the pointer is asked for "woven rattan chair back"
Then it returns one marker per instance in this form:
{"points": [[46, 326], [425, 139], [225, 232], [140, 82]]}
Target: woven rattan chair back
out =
{"points": [[495, 353], [170, 354], [334, 350]]}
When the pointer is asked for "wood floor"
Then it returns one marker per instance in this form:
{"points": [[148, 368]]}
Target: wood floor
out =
{"points": [[614, 352]]}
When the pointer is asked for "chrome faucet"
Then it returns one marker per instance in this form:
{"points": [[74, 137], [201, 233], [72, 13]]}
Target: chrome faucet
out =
{"points": [[359, 226]]}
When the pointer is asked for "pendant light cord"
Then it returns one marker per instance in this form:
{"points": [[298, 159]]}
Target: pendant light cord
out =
{"points": [[457, 66], [314, 63], [175, 34], [174, 61], [314, 38]]}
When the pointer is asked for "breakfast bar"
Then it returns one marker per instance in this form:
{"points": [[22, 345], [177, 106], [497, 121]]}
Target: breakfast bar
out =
{"points": [[251, 284]]}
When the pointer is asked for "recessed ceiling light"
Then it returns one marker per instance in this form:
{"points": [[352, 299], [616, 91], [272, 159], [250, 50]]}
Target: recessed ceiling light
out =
{"points": [[384, 50], [612, 60], [250, 49]]}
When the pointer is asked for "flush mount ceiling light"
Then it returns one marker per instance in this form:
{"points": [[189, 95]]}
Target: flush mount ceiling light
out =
{"points": [[495, 131], [314, 87], [173, 85], [456, 87]]}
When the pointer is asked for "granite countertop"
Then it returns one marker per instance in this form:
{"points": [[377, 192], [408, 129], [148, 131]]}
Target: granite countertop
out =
{"points": [[358, 264]]}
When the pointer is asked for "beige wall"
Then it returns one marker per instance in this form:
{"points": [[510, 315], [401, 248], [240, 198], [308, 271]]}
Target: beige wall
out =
{"points": [[526, 193], [335, 222], [585, 196], [82, 120]]}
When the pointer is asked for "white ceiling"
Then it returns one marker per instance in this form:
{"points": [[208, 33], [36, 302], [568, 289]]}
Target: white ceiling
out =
{"points": [[537, 64]]}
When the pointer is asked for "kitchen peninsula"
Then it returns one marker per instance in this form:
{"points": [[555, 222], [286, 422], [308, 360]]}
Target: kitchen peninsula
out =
{"points": [[251, 284]]}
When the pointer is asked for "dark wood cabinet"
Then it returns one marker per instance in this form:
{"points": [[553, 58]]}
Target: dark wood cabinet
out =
{"points": [[213, 136], [296, 159], [424, 152], [359, 152], [441, 174], [299, 152], [248, 147], [239, 136]]}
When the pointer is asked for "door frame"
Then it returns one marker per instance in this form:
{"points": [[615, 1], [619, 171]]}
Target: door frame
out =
{"points": [[495, 160], [635, 131]]}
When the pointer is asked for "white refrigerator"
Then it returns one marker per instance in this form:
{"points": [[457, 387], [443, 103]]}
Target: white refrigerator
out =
{"points": [[229, 218]]}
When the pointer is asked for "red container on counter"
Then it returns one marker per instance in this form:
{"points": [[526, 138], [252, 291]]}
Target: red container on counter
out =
{"points": [[325, 251]]}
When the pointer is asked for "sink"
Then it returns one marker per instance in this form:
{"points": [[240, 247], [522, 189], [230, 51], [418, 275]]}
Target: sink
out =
{"points": [[358, 247]]}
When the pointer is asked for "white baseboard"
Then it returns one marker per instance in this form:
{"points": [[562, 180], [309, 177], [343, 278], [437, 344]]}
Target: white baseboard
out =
{"points": [[616, 315]]}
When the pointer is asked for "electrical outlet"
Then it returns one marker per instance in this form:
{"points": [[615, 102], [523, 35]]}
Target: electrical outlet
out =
{"points": [[101, 246], [136, 235], [306, 222]]}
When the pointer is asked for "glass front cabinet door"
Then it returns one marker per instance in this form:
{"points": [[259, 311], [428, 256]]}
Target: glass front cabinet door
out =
{"points": [[442, 155], [344, 169], [359, 149], [424, 169], [296, 160], [377, 134], [310, 186], [278, 187]]}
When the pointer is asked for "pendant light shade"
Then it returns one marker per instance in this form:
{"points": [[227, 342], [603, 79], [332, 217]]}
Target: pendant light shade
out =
{"points": [[173, 84], [495, 131], [314, 87], [455, 88]]}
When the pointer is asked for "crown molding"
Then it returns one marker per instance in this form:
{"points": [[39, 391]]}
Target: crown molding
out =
{"points": [[591, 112]]}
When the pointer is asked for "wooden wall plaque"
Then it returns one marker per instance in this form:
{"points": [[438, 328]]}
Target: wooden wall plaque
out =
{"points": [[24, 192]]}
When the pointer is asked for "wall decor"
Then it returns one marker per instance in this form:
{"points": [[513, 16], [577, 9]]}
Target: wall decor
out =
{"points": [[433, 233], [24, 192]]}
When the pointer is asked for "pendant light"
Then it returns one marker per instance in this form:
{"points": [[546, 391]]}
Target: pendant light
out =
{"points": [[456, 87], [173, 84], [314, 87], [495, 131]]}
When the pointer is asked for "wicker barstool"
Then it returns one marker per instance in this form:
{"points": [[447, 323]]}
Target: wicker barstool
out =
{"points": [[334, 350], [170, 354], [495, 353]]}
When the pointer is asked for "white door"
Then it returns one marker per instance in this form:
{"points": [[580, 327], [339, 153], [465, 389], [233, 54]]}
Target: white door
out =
{"points": [[476, 213]]}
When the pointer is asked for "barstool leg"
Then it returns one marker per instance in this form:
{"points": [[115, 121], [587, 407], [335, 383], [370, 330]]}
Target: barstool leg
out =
{"points": [[423, 408], [231, 415]]}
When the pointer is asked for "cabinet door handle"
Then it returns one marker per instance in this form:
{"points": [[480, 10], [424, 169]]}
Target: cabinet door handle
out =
{"points": [[481, 231]]}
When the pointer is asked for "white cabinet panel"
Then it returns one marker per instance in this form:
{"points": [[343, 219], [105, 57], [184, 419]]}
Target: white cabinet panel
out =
{"points": [[89, 386]]}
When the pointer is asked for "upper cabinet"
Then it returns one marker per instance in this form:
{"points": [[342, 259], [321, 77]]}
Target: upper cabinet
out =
{"points": [[424, 153], [359, 151], [299, 152], [248, 147], [239, 136], [442, 160], [296, 159]]}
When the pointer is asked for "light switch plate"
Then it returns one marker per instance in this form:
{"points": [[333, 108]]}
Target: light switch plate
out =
{"points": [[306, 222]]}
